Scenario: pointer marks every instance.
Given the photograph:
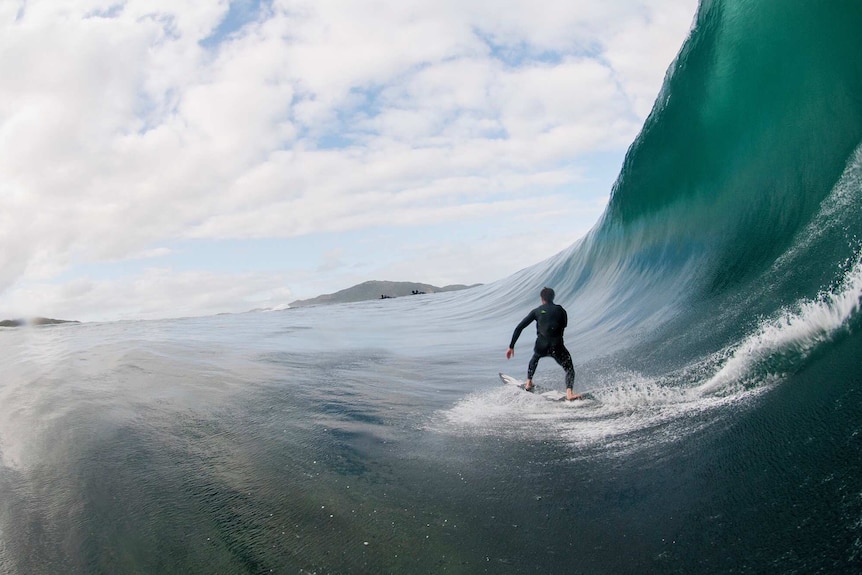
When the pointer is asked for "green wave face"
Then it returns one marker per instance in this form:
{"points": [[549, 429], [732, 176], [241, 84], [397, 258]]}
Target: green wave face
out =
{"points": [[741, 195]]}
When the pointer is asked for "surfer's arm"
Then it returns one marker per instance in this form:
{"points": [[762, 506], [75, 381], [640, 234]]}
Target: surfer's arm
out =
{"points": [[520, 327]]}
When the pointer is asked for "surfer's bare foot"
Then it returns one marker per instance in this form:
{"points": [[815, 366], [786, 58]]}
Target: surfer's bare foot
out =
{"points": [[528, 385], [571, 395]]}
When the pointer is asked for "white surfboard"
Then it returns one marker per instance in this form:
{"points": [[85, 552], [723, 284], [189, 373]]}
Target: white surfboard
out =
{"points": [[552, 395]]}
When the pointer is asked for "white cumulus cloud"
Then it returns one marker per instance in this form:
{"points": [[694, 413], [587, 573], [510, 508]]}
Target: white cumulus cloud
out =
{"points": [[128, 125]]}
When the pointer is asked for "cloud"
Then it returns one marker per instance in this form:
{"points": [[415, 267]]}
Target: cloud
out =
{"points": [[125, 126], [642, 49]]}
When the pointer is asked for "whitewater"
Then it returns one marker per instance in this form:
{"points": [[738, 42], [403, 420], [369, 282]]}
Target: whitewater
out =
{"points": [[714, 319]]}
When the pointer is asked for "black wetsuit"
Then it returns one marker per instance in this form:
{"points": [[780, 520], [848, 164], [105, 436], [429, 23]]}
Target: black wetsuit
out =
{"points": [[551, 320]]}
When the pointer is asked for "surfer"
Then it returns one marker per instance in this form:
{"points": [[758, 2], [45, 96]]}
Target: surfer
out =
{"points": [[551, 320]]}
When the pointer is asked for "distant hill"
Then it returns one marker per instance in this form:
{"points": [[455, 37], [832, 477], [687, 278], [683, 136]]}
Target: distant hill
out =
{"points": [[34, 321], [376, 290]]}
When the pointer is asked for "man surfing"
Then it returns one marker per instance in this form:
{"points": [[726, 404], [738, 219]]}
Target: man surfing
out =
{"points": [[551, 320]]}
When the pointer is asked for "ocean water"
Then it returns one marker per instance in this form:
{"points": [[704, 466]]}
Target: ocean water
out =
{"points": [[714, 318]]}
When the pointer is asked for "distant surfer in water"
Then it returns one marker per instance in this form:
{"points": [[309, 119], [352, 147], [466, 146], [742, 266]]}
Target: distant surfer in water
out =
{"points": [[551, 320]]}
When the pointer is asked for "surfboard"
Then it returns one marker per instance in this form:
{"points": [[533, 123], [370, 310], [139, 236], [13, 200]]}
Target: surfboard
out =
{"points": [[552, 395]]}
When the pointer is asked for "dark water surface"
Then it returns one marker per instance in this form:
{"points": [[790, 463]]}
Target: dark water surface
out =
{"points": [[714, 317]]}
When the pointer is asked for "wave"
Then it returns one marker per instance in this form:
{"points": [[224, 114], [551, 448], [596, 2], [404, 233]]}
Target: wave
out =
{"points": [[727, 259], [741, 196]]}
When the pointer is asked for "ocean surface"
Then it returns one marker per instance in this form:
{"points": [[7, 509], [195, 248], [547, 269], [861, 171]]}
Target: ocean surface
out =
{"points": [[714, 318]]}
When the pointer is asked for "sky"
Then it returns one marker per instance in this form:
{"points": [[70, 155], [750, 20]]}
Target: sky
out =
{"points": [[172, 158]]}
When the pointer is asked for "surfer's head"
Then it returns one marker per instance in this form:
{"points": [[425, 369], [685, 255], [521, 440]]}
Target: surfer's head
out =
{"points": [[547, 295]]}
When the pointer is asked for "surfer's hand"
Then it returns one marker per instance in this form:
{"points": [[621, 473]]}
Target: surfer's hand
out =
{"points": [[509, 353]]}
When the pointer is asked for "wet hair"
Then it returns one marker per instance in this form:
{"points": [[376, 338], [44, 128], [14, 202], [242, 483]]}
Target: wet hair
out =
{"points": [[547, 294]]}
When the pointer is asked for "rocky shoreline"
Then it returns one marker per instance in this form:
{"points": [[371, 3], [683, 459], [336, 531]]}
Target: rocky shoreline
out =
{"points": [[374, 289], [33, 321]]}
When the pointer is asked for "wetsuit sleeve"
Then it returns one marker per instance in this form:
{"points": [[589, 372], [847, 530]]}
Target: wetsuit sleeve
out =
{"points": [[520, 327]]}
